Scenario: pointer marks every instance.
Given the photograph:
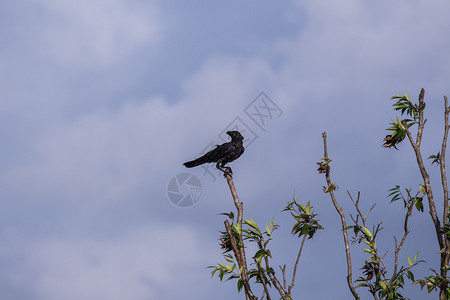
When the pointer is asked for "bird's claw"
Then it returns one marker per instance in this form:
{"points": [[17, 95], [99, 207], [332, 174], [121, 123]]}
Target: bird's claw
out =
{"points": [[228, 171]]}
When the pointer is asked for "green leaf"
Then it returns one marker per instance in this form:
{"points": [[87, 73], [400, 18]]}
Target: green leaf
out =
{"points": [[422, 189], [228, 258], [226, 267], [330, 188], [407, 96], [368, 243], [419, 204], [369, 251], [436, 158], [382, 284], [410, 275], [366, 232], [229, 215], [251, 223], [260, 254], [308, 209], [268, 230], [237, 228], [240, 284], [400, 124], [410, 263]]}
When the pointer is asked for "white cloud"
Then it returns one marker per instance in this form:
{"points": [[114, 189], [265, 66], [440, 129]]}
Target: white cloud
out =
{"points": [[103, 155], [142, 265], [351, 45], [98, 31]]}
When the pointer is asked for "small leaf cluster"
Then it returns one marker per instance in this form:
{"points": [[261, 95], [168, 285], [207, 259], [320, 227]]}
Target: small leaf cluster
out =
{"points": [[225, 269], [399, 132], [251, 233], [434, 282], [399, 127], [262, 239], [396, 194], [375, 272], [436, 158], [306, 222], [404, 104], [225, 244], [324, 166]]}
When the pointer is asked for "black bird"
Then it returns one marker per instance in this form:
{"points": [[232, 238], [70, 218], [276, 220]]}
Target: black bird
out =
{"points": [[222, 154]]}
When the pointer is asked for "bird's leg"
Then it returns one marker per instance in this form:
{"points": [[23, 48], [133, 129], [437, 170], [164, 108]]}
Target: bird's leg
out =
{"points": [[226, 170]]}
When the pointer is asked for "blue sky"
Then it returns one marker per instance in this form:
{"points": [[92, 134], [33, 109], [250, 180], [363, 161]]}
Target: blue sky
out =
{"points": [[102, 101]]}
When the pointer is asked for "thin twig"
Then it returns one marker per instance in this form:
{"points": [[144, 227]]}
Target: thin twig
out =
{"points": [[296, 264], [283, 270], [275, 280], [344, 230], [405, 234], [263, 281]]}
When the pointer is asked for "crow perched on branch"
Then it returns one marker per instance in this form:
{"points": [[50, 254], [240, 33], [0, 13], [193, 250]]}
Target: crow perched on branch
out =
{"points": [[222, 154]]}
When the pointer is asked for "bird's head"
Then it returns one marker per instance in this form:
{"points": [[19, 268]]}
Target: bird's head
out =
{"points": [[235, 135]]}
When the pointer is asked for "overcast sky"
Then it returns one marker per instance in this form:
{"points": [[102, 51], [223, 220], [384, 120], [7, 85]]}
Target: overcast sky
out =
{"points": [[103, 100]]}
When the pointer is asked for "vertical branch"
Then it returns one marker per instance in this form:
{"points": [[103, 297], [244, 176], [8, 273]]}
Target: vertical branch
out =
{"points": [[423, 171], [405, 234], [275, 280], [442, 162], [421, 119], [263, 281], [344, 230], [443, 242], [445, 256], [239, 252], [296, 264]]}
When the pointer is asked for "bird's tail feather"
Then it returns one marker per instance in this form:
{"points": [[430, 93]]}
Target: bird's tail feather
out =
{"points": [[191, 164], [207, 158]]}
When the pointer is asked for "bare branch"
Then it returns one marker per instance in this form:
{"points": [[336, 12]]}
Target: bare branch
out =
{"points": [[442, 162], [344, 230], [296, 264], [263, 281], [422, 121], [283, 270], [406, 232], [275, 281], [356, 204]]}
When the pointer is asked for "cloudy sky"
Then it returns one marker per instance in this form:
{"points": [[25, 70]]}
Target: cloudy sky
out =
{"points": [[103, 100]]}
